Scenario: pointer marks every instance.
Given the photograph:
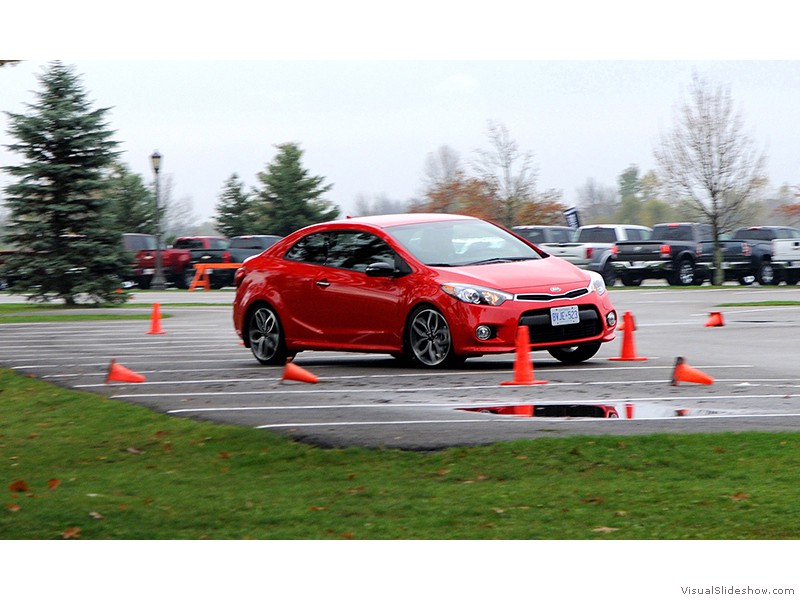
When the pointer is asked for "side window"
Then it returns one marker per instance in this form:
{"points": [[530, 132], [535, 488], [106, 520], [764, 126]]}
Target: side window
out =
{"points": [[634, 235], [311, 249], [356, 250], [562, 236]]}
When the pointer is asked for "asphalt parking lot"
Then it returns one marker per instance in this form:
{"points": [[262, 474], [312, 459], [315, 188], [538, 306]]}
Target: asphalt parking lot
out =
{"points": [[198, 369]]}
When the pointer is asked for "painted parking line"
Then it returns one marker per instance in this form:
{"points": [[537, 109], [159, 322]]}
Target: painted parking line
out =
{"points": [[451, 405], [519, 420]]}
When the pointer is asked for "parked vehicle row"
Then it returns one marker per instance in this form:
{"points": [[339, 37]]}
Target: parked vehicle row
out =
{"points": [[683, 254], [179, 262]]}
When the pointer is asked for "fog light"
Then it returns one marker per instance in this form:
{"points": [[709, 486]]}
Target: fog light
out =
{"points": [[483, 332], [611, 319]]}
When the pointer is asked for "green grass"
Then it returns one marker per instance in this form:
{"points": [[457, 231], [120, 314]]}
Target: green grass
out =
{"points": [[42, 313], [75, 464]]}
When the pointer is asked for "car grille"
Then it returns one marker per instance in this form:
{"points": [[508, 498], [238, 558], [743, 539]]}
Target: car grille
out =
{"points": [[542, 332], [550, 297]]}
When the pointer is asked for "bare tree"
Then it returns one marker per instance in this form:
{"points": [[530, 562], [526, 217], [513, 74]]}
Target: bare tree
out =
{"points": [[709, 159], [598, 203], [442, 172], [507, 171]]}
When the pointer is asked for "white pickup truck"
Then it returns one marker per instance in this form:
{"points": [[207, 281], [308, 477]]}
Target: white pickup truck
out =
{"points": [[786, 256], [591, 248]]}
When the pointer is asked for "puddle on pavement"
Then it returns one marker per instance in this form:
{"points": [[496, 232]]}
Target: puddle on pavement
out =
{"points": [[616, 410]]}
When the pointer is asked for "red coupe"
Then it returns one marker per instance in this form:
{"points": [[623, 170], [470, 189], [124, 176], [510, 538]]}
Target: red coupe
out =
{"points": [[431, 288]]}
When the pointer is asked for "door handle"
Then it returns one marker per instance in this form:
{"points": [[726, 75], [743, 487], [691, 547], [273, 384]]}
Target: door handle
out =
{"points": [[323, 283]]}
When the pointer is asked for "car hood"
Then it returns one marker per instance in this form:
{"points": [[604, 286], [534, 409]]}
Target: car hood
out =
{"points": [[522, 276]]}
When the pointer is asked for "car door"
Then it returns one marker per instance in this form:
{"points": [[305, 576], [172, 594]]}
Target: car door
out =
{"points": [[353, 309]]}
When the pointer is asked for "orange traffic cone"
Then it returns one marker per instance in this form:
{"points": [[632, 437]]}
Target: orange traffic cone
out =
{"points": [[291, 372], [116, 372], [628, 345], [684, 372], [523, 366], [715, 320], [155, 320]]}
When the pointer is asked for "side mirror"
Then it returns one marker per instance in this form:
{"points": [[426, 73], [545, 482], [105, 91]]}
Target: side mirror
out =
{"points": [[380, 269]]}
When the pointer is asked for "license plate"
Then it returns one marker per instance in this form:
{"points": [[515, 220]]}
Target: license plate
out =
{"points": [[564, 315]]}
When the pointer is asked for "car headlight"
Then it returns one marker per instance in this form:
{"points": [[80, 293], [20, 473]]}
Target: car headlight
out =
{"points": [[597, 284], [475, 294]]}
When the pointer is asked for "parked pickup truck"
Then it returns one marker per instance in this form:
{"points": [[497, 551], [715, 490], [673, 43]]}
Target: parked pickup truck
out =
{"points": [[178, 262], [786, 254], [545, 237], [681, 253], [245, 246], [764, 267], [591, 248]]}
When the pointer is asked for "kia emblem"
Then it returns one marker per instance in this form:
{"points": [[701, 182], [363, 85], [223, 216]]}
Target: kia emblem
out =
{"points": [[555, 289]]}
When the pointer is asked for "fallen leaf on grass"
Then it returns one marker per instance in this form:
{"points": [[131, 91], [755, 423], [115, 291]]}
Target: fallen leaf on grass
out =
{"points": [[14, 508], [71, 533], [133, 450], [225, 455], [595, 500], [53, 483], [96, 515], [18, 486], [317, 508], [605, 529], [740, 496]]}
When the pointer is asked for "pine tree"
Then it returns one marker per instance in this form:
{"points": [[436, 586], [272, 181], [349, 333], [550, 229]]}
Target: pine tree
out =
{"points": [[131, 201], [59, 218], [290, 198], [234, 209]]}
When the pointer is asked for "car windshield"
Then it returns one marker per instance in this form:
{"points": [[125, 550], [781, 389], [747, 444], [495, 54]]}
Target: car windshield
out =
{"points": [[461, 243]]}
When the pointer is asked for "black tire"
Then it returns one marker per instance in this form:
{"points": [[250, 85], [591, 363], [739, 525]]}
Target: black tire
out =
{"points": [[184, 281], [144, 282], [573, 355], [609, 274], [265, 336], [684, 274], [792, 278], [767, 275], [631, 280], [428, 342]]}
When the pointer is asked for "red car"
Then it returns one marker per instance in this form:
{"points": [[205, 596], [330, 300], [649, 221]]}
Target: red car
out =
{"points": [[432, 288]]}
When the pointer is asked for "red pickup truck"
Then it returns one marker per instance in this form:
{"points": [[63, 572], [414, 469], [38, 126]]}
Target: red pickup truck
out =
{"points": [[177, 262]]}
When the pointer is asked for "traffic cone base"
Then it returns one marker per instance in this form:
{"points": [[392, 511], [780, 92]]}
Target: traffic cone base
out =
{"points": [[116, 372], [628, 345], [523, 366], [155, 320], [291, 372], [684, 372], [715, 320]]}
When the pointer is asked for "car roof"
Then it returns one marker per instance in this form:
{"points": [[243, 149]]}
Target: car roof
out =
{"points": [[383, 221]]}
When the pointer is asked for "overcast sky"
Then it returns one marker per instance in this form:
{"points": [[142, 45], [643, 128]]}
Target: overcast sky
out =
{"points": [[367, 125]]}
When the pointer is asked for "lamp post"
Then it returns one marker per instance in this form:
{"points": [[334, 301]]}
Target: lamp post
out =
{"points": [[158, 282]]}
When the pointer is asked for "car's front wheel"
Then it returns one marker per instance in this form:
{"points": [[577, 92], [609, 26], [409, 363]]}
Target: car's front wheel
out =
{"points": [[575, 354], [428, 340], [265, 334]]}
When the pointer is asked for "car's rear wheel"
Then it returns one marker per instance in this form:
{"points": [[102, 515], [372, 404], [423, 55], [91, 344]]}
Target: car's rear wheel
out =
{"points": [[428, 339], [265, 334], [631, 280], [574, 354]]}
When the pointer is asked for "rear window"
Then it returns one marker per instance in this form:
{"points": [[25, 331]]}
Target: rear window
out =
{"points": [[600, 235], [679, 233]]}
